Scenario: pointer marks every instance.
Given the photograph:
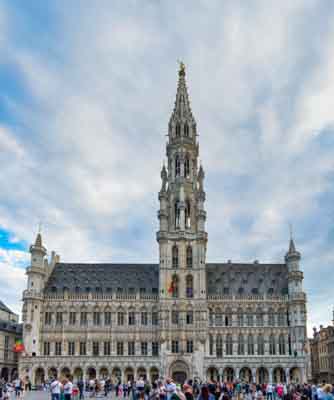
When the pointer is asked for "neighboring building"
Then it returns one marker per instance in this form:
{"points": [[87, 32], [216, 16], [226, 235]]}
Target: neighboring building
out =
{"points": [[183, 317], [10, 331], [322, 354]]}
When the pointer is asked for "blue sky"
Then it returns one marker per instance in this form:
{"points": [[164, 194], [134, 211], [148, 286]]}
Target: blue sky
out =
{"points": [[86, 95]]}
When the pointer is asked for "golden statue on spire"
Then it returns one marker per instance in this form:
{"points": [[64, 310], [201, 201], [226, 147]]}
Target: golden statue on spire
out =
{"points": [[182, 68]]}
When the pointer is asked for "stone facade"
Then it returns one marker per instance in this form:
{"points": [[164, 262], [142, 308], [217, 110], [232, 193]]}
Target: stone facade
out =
{"points": [[183, 317], [322, 354], [10, 331]]}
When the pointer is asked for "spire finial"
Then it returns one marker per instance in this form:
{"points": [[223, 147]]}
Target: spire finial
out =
{"points": [[182, 68], [291, 232], [39, 227]]}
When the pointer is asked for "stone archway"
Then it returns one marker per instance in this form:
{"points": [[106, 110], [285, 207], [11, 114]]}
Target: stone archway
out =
{"points": [[154, 374], [245, 375], [52, 372], [77, 374], [65, 372], [39, 376], [91, 373], [295, 375], [179, 371], [262, 375], [5, 373], [212, 374], [129, 374], [104, 373], [279, 375], [141, 372], [228, 374]]}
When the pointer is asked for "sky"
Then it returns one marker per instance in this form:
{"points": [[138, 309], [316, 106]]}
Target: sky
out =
{"points": [[87, 89]]}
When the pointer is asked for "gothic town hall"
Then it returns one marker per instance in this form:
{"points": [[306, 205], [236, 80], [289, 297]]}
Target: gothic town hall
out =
{"points": [[182, 317]]}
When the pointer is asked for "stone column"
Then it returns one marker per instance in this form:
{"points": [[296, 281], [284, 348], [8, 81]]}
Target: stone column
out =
{"points": [[270, 370], [287, 375], [254, 375]]}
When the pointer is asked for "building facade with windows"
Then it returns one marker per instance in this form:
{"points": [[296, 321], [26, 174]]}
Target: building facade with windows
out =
{"points": [[182, 317], [10, 332]]}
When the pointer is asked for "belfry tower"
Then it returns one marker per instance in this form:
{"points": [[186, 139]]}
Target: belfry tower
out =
{"points": [[182, 239]]}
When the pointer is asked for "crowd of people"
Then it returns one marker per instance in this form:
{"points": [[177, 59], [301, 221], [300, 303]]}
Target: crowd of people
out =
{"points": [[65, 389]]}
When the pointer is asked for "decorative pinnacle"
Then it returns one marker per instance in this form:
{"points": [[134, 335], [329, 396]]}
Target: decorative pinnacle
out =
{"points": [[182, 68]]}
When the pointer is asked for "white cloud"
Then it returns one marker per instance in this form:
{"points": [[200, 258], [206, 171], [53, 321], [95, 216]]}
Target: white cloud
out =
{"points": [[87, 149]]}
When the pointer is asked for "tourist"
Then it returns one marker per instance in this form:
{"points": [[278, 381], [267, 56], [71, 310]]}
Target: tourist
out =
{"points": [[67, 388], [81, 385], [55, 388], [205, 394], [170, 388], [17, 386], [188, 391], [327, 390]]}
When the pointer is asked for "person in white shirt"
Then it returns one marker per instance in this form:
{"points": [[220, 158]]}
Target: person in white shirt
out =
{"points": [[170, 388], [68, 387], [55, 388]]}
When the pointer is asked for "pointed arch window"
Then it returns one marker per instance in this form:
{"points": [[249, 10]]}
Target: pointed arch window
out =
{"points": [[186, 130], [175, 256], [240, 317], [175, 286], [281, 344], [177, 166], [189, 257], [219, 346], [177, 213], [250, 344], [178, 130], [241, 345], [187, 215], [272, 345], [218, 317], [211, 345], [260, 345], [187, 167], [229, 344], [189, 287], [271, 317]]}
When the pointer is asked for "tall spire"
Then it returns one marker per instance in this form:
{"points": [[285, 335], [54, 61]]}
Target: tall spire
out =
{"points": [[292, 252], [182, 110]]}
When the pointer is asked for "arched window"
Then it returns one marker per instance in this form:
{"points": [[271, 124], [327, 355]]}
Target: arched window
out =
{"points": [[260, 345], [177, 166], [174, 286], [229, 344], [259, 317], [177, 214], [211, 345], [272, 345], [189, 286], [240, 317], [175, 256], [281, 344], [250, 344], [241, 291], [219, 346], [241, 346], [187, 214], [178, 130], [271, 317], [228, 317], [187, 167], [189, 257], [219, 317], [186, 130], [281, 317], [211, 318], [250, 319]]}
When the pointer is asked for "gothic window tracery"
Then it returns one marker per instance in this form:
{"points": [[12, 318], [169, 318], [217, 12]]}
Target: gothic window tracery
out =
{"points": [[219, 346], [175, 286], [189, 257], [241, 346], [187, 167], [218, 317], [189, 286], [250, 344], [178, 130], [175, 256], [271, 317], [229, 344], [240, 317], [177, 213], [187, 215], [177, 166], [186, 130], [281, 344], [272, 345], [260, 345]]}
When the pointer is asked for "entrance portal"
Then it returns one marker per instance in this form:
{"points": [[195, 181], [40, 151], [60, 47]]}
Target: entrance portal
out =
{"points": [[179, 371], [179, 377]]}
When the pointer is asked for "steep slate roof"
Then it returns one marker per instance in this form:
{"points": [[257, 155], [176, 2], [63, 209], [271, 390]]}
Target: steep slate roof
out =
{"points": [[10, 326], [5, 308], [104, 276], [265, 278], [249, 276]]}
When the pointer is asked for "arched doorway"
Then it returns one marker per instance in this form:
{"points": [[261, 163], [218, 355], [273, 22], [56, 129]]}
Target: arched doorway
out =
{"points": [[129, 374], [295, 376], [245, 375], [65, 372], [179, 371], [91, 373], [104, 373], [279, 375], [13, 374], [116, 374], [212, 374], [262, 375], [154, 374], [39, 376], [141, 372], [5, 374], [228, 374], [77, 374], [52, 372]]}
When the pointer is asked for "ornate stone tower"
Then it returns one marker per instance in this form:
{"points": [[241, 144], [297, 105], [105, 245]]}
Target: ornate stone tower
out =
{"points": [[33, 297], [297, 303], [182, 241]]}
